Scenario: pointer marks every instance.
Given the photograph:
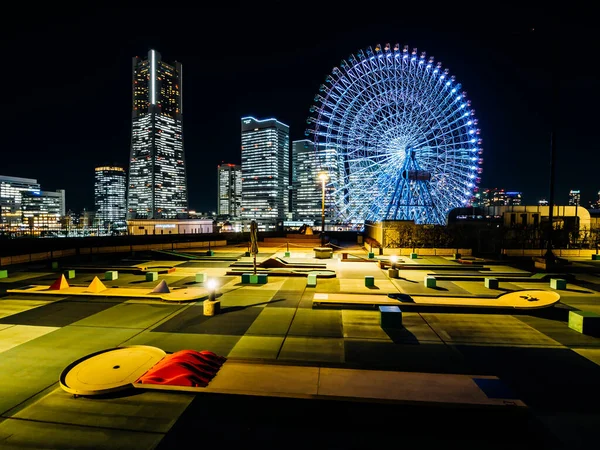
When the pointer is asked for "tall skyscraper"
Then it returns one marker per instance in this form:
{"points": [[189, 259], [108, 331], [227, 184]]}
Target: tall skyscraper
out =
{"points": [[109, 194], [265, 169], [229, 178], [308, 164], [157, 186]]}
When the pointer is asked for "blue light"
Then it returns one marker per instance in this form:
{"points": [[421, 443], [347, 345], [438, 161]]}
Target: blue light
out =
{"points": [[447, 83], [469, 122], [471, 131], [442, 77], [472, 140], [458, 98], [453, 90]]}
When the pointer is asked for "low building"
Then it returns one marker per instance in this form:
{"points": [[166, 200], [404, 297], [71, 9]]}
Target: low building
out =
{"points": [[166, 226]]}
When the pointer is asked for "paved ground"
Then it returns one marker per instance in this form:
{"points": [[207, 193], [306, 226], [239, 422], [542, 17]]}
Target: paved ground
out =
{"points": [[279, 387]]}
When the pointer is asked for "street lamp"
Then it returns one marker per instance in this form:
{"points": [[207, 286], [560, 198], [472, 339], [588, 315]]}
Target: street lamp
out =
{"points": [[323, 177], [394, 259]]}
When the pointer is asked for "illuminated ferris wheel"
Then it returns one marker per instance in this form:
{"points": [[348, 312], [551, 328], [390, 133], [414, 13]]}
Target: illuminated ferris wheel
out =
{"points": [[404, 136]]}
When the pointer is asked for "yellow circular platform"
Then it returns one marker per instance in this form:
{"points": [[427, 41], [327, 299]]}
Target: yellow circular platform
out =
{"points": [[109, 370]]}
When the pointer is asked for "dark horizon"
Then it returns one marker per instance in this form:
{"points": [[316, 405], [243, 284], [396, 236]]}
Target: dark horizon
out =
{"points": [[69, 108]]}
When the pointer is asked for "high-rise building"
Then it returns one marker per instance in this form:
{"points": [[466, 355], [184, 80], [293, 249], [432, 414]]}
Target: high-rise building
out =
{"points": [[265, 169], [11, 206], [43, 210], [574, 197], [229, 178], [308, 164], [110, 194], [157, 187]]}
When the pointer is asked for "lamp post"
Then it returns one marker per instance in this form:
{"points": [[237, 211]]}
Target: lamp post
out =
{"points": [[323, 177]]}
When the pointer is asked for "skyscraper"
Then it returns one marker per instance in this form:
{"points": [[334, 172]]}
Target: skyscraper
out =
{"points": [[308, 164], [109, 194], [11, 201], [43, 210], [265, 169], [157, 185], [229, 178]]}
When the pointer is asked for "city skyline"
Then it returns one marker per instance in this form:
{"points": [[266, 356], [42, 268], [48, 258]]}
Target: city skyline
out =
{"points": [[506, 71]]}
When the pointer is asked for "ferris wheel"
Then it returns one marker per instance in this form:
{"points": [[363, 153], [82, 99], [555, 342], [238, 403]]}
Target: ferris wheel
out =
{"points": [[403, 136]]}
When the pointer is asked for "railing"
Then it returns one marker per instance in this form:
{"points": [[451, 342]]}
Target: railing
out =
{"points": [[55, 254]]}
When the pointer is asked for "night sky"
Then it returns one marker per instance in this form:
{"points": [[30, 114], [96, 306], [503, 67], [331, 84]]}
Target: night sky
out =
{"points": [[66, 78]]}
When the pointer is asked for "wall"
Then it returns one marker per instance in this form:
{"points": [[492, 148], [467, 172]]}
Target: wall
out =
{"points": [[41, 256]]}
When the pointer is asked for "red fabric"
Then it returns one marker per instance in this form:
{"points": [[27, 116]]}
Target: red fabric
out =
{"points": [[184, 368]]}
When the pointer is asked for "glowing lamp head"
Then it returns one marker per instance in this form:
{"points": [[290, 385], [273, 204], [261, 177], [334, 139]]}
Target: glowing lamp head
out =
{"points": [[394, 259], [323, 177], [211, 284]]}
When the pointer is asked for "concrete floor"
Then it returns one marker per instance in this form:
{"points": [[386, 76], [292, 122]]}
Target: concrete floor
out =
{"points": [[526, 372]]}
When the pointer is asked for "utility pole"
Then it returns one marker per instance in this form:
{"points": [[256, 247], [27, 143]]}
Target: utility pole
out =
{"points": [[549, 256]]}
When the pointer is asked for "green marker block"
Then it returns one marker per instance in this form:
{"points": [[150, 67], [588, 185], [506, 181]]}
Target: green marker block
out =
{"points": [[262, 278], [151, 276], [369, 281], [558, 283], [3, 273], [111, 275], [491, 283], [586, 322], [429, 281], [69, 274], [201, 277]]}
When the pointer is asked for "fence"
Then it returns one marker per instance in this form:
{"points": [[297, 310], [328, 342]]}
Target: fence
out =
{"points": [[55, 254]]}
